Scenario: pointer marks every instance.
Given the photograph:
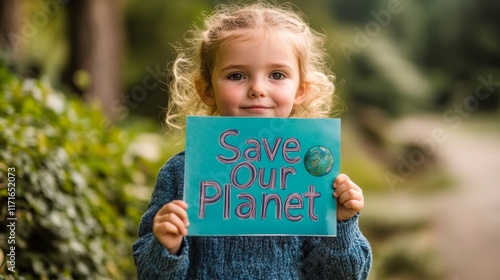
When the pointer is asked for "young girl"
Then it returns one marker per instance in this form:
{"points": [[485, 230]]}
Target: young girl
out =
{"points": [[254, 60]]}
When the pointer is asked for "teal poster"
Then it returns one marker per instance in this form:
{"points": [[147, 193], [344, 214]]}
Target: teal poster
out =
{"points": [[261, 176]]}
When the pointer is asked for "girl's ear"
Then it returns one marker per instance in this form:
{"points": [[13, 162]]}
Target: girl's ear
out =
{"points": [[300, 96], [204, 92]]}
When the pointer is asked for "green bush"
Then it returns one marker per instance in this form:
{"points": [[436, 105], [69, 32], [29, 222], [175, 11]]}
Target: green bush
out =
{"points": [[80, 189]]}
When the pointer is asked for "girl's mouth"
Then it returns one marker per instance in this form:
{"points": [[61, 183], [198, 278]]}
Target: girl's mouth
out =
{"points": [[256, 107]]}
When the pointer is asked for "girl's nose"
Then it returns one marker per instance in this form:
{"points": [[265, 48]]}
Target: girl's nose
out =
{"points": [[256, 90]]}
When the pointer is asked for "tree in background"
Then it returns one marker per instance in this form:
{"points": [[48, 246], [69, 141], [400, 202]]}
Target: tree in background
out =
{"points": [[95, 40], [9, 25]]}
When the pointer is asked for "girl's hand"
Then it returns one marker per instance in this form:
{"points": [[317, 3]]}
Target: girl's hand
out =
{"points": [[170, 225], [349, 196]]}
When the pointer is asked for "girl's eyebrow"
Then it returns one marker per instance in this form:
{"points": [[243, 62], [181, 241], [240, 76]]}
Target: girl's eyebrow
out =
{"points": [[232, 66], [241, 66], [280, 65]]}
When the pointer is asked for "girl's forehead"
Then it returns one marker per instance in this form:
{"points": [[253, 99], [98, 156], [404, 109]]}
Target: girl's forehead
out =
{"points": [[250, 49], [259, 36]]}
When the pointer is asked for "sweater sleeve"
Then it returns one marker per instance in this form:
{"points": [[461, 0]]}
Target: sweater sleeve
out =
{"points": [[152, 259], [346, 256]]}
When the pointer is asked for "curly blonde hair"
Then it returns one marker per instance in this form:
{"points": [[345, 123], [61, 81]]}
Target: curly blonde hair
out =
{"points": [[194, 64]]}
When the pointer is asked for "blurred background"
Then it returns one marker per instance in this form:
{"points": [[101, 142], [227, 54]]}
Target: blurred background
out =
{"points": [[82, 93]]}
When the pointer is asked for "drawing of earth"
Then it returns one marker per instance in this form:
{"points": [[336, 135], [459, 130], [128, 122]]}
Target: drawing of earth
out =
{"points": [[318, 161]]}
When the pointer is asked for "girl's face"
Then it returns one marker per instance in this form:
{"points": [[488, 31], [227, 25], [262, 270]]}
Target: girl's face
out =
{"points": [[256, 78]]}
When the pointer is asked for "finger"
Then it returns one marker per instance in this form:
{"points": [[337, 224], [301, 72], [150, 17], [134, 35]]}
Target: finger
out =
{"points": [[348, 195], [339, 180], [181, 203], [172, 224], [354, 205], [175, 207], [166, 228], [167, 217], [348, 185], [179, 223], [182, 211]]}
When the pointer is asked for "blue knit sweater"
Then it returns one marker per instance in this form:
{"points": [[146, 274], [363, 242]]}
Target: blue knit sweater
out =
{"points": [[347, 256]]}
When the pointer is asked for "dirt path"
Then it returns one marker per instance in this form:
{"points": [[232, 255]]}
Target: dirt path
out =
{"points": [[467, 218]]}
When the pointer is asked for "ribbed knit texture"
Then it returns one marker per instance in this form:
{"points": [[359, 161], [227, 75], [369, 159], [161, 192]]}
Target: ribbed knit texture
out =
{"points": [[347, 256]]}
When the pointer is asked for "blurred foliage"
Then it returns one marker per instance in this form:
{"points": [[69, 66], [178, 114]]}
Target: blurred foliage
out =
{"points": [[419, 58], [81, 184]]}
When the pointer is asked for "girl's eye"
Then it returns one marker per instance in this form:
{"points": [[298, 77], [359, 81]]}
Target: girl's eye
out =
{"points": [[235, 77], [277, 76]]}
